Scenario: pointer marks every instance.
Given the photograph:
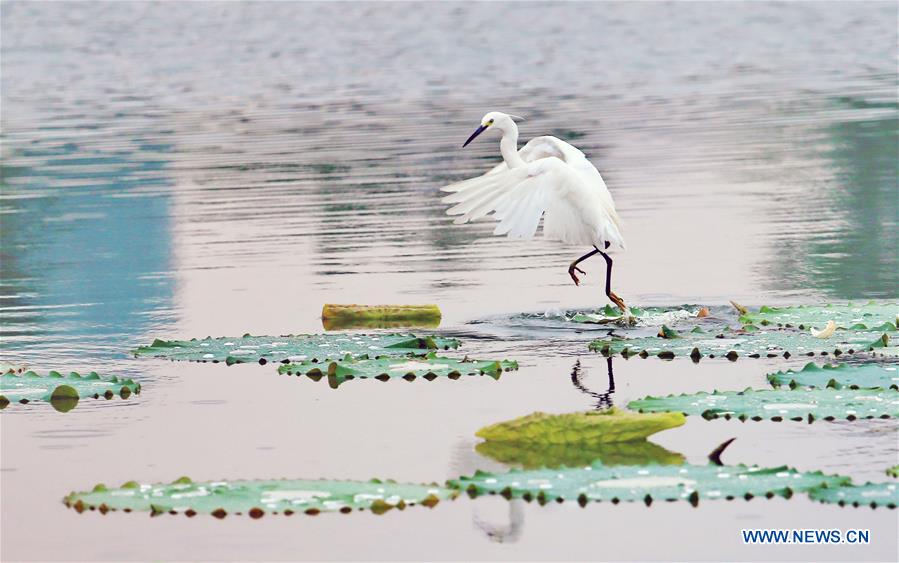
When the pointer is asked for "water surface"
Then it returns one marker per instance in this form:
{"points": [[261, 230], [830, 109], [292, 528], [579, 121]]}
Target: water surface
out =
{"points": [[185, 169]]}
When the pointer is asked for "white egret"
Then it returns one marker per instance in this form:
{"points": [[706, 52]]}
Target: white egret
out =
{"points": [[547, 178]]}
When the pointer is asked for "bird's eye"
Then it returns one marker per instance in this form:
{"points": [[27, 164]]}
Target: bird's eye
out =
{"points": [[490, 122]]}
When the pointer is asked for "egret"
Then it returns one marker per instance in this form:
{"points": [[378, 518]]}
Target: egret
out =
{"points": [[547, 178]]}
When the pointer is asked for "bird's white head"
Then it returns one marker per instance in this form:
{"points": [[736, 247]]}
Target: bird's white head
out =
{"points": [[496, 120]]}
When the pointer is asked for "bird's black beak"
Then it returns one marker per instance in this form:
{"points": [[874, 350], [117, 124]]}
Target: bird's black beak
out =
{"points": [[477, 132]]}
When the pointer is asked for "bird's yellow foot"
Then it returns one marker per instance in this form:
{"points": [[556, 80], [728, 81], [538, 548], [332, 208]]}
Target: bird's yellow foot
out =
{"points": [[627, 318], [619, 302], [571, 269]]}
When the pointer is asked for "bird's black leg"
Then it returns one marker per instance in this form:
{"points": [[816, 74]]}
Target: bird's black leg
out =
{"points": [[574, 267], [611, 294]]}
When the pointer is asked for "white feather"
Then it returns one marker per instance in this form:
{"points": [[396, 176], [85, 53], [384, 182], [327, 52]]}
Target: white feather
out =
{"points": [[549, 179]]}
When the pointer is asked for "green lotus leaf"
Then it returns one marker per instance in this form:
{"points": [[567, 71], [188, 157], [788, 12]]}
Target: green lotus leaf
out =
{"points": [[409, 368], [63, 391], [852, 376], [869, 494], [312, 347], [777, 405], [893, 471], [849, 316], [745, 343], [534, 456], [887, 351], [645, 483], [592, 427], [257, 498], [666, 332], [64, 398]]}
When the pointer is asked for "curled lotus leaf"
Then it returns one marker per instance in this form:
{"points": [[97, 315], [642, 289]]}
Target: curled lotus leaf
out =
{"points": [[869, 494], [341, 317], [645, 483], [747, 342], [535, 456], [852, 376], [777, 404], [409, 368], [257, 498], [592, 427], [294, 348], [63, 391], [893, 471], [870, 316]]}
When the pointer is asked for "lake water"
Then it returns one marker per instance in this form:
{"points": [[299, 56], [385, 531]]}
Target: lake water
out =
{"points": [[182, 169]]}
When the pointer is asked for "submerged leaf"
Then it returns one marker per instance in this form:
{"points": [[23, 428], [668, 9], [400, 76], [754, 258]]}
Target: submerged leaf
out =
{"points": [[593, 427], [293, 348], [534, 456], [869, 494], [63, 391], [646, 483], [853, 376], [746, 343], [645, 316], [257, 498], [812, 404], [857, 317], [409, 368]]}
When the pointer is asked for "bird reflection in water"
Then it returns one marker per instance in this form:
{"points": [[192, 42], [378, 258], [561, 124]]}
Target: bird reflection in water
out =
{"points": [[604, 399], [511, 532], [504, 534]]}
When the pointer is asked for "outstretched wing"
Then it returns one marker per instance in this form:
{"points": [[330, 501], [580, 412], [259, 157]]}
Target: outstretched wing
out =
{"points": [[517, 196], [557, 180]]}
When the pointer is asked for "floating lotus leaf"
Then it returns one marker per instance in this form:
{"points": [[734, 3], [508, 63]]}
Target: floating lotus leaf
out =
{"points": [[340, 317], [645, 316], [872, 316], [869, 494], [888, 351], [852, 376], [777, 405], [592, 427], [534, 456], [645, 483], [747, 342], [257, 498], [429, 367], [63, 391], [893, 471], [298, 348]]}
